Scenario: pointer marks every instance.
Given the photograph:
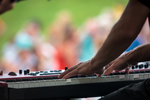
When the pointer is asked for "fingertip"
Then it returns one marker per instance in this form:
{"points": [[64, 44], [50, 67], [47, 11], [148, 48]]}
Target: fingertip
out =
{"points": [[105, 72], [98, 75], [59, 77], [65, 77]]}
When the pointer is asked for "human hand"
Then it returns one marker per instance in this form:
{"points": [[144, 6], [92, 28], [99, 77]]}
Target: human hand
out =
{"points": [[5, 5], [82, 68], [118, 64], [139, 54]]}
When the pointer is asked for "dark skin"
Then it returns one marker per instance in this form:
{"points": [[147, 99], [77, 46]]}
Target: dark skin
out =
{"points": [[138, 54], [123, 33], [5, 5]]}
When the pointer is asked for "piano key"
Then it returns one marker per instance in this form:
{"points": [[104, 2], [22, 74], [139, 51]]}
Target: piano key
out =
{"points": [[146, 76], [59, 82], [52, 82], [20, 84], [62, 81], [47, 82], [42, 83], [27, 84], [16, 85], [36, 83], [32, 84], [10, 84]]}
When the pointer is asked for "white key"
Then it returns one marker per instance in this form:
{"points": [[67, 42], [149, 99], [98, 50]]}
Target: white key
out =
{"points": [[20, 84], [42, 83], [10, 84], [68, 81], [101, 79], [62, 81], [141, 76], [83, 81], [26, 84], [77, 80], [146, 76], [32, 84], [52, 82], [136, 76], [16, 85], [74, 81], [47, 82], [117, 78], [121, 77], [127, 77], [131, 77], [96, 79], [58, 82], [87, 80], [36, 83], [110, 79]]}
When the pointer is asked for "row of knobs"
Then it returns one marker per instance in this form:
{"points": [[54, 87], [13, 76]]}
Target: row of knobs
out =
{"points": [[140, 66], [25, 71]]}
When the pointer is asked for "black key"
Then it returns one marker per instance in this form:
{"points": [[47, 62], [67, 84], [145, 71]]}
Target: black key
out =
{"points": [[122, 73], [116, 73], [14, 80], [132, 72], [142, 71], [27, 79], [147, 71]]}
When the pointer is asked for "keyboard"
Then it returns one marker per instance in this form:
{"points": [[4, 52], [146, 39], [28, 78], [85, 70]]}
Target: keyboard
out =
{"points": [[46, 85]]}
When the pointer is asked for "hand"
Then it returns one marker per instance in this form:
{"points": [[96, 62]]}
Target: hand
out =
{"points": [[82, 68], [5, 5], [118, 64]]}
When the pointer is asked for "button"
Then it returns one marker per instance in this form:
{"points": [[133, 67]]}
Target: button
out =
{"points": [[66, 68], [1, 72], [12, 74], [20, 71]]}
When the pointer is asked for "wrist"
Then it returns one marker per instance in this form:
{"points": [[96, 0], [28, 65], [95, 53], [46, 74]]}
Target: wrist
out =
{"points": [[95, 65], [132, 56]]}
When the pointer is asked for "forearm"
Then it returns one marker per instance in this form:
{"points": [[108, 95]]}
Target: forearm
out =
{"points": [[115, 44], [122, 34]]}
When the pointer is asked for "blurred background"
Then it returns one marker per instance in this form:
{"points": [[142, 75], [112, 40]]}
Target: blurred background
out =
{"points": [[52, 35]]}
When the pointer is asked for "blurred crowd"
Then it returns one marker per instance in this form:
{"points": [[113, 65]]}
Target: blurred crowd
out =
{"points": [[64, 45]]}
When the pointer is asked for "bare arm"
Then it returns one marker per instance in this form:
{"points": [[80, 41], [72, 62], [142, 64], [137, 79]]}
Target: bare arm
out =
{"points": [[139, 54], [122, 34]]}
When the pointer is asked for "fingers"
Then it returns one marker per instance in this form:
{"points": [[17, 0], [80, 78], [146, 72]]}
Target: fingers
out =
{"points": [[106, 67], [98, 75], [72, 73], [108, 71], [127, 70], [69, 72]]}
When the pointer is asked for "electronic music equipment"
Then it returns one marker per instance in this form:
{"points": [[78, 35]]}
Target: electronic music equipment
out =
{"points": [[45, 85]]}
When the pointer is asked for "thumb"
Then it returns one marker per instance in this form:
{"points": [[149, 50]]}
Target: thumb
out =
{"points": [[108, 71]]}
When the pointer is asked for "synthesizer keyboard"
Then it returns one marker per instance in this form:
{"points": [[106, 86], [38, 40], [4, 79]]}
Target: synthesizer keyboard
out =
{"points": [[46, 85]]}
